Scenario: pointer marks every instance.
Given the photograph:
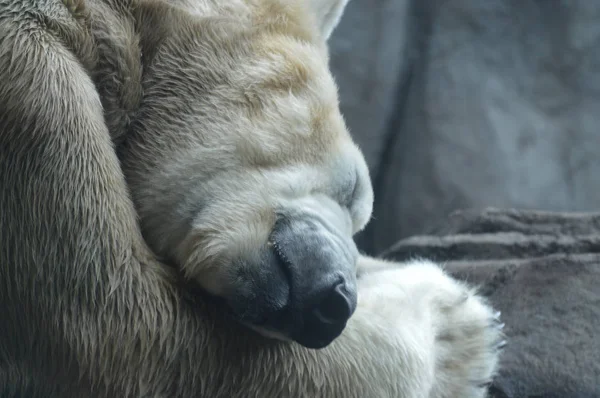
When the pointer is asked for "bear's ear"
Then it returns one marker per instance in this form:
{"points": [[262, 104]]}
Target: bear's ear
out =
{"points": [[327, 14]]}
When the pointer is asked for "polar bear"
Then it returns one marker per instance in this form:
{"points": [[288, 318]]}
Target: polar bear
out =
{"points": [[149, 147]]}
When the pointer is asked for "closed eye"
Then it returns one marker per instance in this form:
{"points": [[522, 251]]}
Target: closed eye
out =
{"points": [[360, 201], [349, 190], [354, 191], [345, 188]]}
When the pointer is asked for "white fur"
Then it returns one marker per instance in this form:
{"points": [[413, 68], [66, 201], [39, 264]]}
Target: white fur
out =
{"points": [[416, 332], [429, 335], [446, 335], [88, 309]]}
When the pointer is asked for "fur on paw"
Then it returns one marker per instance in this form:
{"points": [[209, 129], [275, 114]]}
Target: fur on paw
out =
{"points": [[456, 333], [468, 338]]}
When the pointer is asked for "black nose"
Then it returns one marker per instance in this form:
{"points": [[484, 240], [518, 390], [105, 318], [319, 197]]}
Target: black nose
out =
{"points": [[334, 309], [325, 320], [319, 262]]}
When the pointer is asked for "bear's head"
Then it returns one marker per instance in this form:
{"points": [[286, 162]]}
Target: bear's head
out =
{"points": [[241, 166]]}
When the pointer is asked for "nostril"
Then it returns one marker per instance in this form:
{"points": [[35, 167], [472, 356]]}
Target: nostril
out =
{"points": [[335, 307]]}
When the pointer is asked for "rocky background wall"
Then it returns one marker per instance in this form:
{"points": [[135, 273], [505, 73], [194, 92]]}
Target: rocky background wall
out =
{"points": [[469, 104]]}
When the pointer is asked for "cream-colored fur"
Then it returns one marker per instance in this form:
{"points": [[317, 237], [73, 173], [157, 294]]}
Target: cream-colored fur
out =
{"points": [[204, 119]]}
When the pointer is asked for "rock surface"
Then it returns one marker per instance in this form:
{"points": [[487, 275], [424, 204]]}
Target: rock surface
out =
{"points": [[471, 103], [542, 271]]}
